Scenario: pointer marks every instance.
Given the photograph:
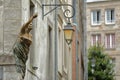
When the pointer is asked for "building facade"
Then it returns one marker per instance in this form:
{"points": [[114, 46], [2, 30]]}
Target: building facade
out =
{"points": [[79, 66], [10, 22], [50, 57], [103, 27]]}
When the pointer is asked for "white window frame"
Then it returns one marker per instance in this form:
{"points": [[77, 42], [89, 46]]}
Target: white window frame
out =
{"points": [[111, 21], [111, 45], [95, 39], [97, 22]]}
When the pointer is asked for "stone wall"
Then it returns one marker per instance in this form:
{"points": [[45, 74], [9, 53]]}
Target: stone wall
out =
{"points": [[10, 20], [1, 26], [10, 23], [104, 28]]}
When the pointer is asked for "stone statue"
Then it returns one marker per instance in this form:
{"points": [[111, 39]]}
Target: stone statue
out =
{"points": [[21, 48]]}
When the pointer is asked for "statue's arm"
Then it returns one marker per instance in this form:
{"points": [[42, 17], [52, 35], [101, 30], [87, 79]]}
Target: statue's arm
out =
{"points": [[27, 23]]}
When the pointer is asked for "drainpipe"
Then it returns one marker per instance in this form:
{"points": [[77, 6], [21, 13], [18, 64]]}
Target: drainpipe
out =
{"points": [[85, 45], [56, 46]]}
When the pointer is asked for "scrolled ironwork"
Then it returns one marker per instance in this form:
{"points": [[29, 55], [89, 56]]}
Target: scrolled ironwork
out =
{"points": [[59, 5], [69, 11]]}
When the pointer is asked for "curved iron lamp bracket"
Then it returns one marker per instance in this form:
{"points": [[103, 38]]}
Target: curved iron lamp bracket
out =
{"points": [[56, 6]]}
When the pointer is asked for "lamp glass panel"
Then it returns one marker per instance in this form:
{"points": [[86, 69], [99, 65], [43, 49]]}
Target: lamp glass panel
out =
{"points": [[68, 34]]}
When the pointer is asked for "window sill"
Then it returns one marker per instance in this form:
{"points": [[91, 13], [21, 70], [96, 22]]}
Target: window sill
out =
{"points": [[113, 23], [95, 25]]}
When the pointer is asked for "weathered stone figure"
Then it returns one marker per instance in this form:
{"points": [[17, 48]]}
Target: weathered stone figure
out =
{"points": [[21, 48]]}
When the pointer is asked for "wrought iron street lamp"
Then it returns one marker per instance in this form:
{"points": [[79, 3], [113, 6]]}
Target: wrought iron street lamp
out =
{"points": [[68, 33], [68, 29]]}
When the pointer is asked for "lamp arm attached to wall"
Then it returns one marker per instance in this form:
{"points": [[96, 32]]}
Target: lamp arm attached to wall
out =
{"points": [[56, 6]]}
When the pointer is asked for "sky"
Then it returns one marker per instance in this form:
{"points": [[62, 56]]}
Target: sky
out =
{"points": [[94, 0]]}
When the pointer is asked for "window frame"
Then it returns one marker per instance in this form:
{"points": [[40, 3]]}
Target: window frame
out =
{"points": [[97, 22], [96, 40], [111, 45], [112, 21]]}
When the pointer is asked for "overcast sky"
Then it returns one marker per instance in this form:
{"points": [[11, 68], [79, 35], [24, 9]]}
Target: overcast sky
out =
{"points": [[94, 0]]}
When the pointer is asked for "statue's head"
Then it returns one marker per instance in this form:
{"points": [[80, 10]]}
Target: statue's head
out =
{"points": [[30, 27]]}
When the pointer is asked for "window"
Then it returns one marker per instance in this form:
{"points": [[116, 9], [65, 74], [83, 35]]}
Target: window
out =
{"points": [[110, 41], [95, 17], [110, 16], [96, 38]]}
